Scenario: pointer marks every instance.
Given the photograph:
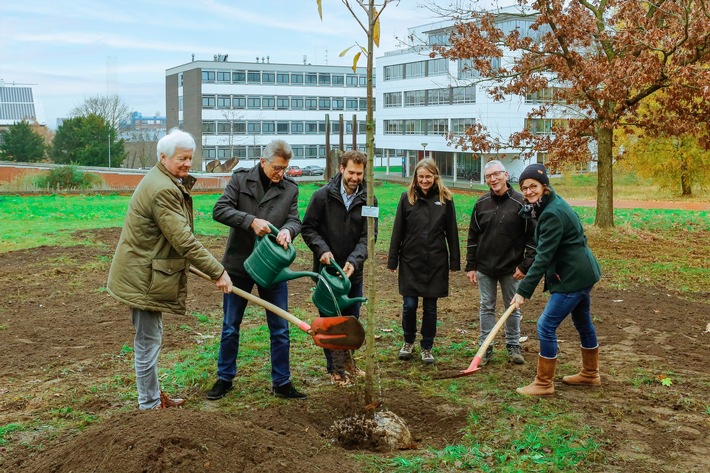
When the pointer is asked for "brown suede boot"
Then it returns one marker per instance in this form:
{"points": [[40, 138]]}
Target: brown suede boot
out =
{"points": [[589, 376], [166, 402], [543, 384]]}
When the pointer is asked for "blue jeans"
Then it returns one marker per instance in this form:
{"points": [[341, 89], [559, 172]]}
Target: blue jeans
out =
{"points": [[488, 286], [354, 310], [558, 307], [234, 307], [409, 320]]}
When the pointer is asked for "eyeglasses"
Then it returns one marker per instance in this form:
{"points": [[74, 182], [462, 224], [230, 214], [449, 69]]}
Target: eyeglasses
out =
{"points": [[531, 188], [277, 168], [496, 174]]}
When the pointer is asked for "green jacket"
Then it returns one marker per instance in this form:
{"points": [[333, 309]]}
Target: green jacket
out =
{"points": [[563, 256], [157, 245]]}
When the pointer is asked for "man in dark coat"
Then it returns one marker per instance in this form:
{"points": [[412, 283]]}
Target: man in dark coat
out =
{"points": [[501, 248], [156, 248], [254, 200], [333, 228]]}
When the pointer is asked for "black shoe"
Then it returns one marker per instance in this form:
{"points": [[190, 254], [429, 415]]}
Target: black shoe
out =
{"points": [[219, 390], [287, 391], [514, 354]]}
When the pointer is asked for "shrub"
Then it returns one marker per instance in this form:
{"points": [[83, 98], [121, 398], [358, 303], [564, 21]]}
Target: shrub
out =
{"points": [[67, 177]]}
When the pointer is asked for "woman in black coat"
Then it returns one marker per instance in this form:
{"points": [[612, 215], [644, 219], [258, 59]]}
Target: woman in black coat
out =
{"points": [[425, 246]]}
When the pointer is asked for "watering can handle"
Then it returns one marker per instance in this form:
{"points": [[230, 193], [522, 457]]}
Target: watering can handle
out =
{"points": [[338, 268], [274, 230]]}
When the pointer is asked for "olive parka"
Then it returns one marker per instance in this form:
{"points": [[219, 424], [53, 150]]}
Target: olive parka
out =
{"points": [[563, 256], [245, 199], [424, 244], [158, 245]]}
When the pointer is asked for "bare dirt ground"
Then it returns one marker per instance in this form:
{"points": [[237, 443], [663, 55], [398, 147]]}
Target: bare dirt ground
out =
{"points": [[61, 339]]}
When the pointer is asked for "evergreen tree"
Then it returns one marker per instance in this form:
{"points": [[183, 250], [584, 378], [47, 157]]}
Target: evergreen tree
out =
{"points": [[22, 144], [84, 141]]}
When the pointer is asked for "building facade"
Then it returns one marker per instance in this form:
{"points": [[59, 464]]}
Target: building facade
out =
{"points": [[422, 100], [19, 102], [234, 109]]}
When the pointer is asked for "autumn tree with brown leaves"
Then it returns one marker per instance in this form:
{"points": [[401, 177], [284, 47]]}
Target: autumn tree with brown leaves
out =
{"points": [[603, 59]]}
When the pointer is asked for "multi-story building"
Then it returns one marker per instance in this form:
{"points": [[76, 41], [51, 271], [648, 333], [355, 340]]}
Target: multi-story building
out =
{"points": [[422, 99], [234, 109], [19, 102]]}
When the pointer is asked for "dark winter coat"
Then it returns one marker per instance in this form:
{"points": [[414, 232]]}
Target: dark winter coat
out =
{"points": [[157, 246], [563, 256], [245, 199], [329, 226], [500, 240], [425, 245]]}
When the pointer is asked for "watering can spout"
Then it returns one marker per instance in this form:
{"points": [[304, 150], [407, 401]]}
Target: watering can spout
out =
{"points": [[287, 275]]}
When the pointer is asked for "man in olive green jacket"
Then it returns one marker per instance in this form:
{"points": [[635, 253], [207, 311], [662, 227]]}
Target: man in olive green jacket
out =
{"points": [[154, 253]]}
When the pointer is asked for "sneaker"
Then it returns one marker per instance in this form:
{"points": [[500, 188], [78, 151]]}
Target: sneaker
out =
{"points": [[487, 356], [427, 357], [514, 354], [406, 351], [219, 390], [287, 391]]}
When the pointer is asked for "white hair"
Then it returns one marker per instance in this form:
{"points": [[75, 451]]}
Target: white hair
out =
{"points": [[175, 139], [494, 162]]}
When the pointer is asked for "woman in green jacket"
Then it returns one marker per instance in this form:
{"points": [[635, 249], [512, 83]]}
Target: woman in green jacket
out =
{"points": [[570, 271]]}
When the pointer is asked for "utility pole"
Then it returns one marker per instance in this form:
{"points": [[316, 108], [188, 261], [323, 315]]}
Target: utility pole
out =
{"points": [[109, 148]]}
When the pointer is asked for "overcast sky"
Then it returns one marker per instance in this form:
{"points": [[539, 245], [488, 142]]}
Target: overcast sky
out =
{"points": [[74, 49]]}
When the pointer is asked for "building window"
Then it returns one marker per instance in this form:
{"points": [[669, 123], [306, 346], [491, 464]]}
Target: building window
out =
{"points": [[311, 151], [239, 101], [351, 80], [209, 154], [296, 103], [180, 79], [363, 103], [268, 128], [297, 128], [207, 76], [209, 127], [338, 104], [466, 69], [464, 94], [224, 153], [321, 128], [282, 103], [311, 79], [239, 128], [296, 78], [254, 103], [437, 126], [311, 103], [224, 101], [438, 67], [208, 101], [393, 99], [239, 77], [180, 103], [268, 103], [254, 128], [413, 70], [239, 152], [338, 79], [297, 151], [350, 104], [546, 95], [282, 78], [323, 103], [311, 128], [394, 72], [324, 78], [438, 96], [393, 127], [414, 98], [224, 76], [282, 128], [268, 77], [224, 128], [460, 125], [254, 77], [363, 81]]}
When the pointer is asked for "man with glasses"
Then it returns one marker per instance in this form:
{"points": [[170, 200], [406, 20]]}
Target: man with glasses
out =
{"points": [[501, 248], [253, 200]]}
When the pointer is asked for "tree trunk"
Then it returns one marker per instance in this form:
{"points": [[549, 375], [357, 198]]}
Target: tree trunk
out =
{"points": [[605, 178], [370, 174], [686, 189]]}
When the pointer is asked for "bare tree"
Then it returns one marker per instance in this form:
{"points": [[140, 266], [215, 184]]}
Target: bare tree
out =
{"points": [[110, 107]]}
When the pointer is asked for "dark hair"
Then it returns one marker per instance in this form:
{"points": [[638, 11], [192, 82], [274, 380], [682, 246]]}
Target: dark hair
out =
{"points": [[356, 156]]}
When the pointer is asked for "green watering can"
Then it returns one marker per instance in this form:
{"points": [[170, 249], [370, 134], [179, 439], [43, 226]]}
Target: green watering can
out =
{"points": [[331, 293], [268, 263]]}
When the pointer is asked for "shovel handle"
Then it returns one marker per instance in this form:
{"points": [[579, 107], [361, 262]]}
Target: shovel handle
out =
{"points": [[265, 304], [489, 339]]}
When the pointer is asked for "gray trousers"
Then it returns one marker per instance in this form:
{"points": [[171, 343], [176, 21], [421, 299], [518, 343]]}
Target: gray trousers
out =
{"points": [[146, 348], [488, 286]]}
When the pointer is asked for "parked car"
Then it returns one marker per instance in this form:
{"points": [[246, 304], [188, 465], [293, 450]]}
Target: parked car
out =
{"points": [[313, 170], [294, 171]]}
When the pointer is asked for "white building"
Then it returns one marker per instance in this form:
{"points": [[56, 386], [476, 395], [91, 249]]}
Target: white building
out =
{"points": [[19, 102], [422, 99], [234, 109]]}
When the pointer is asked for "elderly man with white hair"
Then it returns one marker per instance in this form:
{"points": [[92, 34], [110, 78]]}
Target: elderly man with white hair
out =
{"points": [[153, 256]]}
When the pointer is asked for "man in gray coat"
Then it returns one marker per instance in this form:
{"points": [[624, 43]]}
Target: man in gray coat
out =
{"points": [[254, 200], [155, 250]]}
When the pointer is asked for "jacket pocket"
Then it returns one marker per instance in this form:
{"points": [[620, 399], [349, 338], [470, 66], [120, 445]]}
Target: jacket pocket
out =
{"points": [[165, 279]]}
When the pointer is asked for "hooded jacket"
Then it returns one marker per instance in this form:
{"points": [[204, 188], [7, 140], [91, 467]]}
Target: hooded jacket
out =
{"points": [[157, 246], [329, 226]]}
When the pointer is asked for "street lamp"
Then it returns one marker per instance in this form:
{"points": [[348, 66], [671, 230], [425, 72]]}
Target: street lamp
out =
{"points": [[424, 145], [109, 148]]}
